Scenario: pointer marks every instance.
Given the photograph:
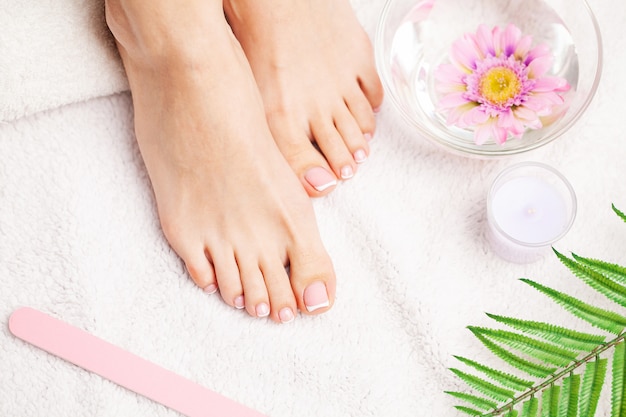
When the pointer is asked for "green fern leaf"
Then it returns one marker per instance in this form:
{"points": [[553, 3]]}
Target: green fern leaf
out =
{"points": [[508, 380], [484, 387], [544, 351], [603, 319], [618, 389], [619, 213], [564, 337], [479, 402], [512, 413], [530, 408], [593, 380], [615, 272], [468, 410], [550, 401], [522, 364], [569, 396], [605, 286]]}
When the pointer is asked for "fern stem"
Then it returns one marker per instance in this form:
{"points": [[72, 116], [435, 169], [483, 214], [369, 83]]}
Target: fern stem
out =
{"points": [[534, 390]]}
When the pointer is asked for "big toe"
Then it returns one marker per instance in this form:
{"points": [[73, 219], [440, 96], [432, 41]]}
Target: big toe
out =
{"points": [[313, 281]]}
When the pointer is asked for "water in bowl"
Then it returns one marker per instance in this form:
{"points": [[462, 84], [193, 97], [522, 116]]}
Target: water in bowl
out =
{"points": [[422, 42]]}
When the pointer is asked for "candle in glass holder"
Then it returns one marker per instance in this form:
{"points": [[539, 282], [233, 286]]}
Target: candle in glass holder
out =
{"points": [[530, 207]]}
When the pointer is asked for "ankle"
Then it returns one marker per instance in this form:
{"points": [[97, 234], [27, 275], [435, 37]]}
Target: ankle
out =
{"points": [[160, 34]]}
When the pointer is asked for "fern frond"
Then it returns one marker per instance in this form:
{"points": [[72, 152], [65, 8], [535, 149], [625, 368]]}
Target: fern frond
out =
{"points": [[468, 410], [484, 387], [603, 319], [618, 388], [474, 400], [605, 286], [530, 408], [613, 271], [591, 387], [508, 380], [568, 406], [564, 337], [544, 351], [512, 413], [522, 364], [550, 401], [619, 213]]}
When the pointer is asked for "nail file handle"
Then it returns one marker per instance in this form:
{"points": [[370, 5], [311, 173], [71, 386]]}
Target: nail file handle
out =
{"points": [[122, 367]]}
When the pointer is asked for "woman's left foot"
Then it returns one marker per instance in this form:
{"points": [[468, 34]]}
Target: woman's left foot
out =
{"points": [[314, 66]]}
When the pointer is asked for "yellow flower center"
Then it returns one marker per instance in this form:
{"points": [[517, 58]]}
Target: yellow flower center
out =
{"points": [[499, 85]]}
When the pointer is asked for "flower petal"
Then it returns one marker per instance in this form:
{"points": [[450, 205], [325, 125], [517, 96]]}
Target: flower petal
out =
{"points": [[539, 66], [465, 53], [484, 40], [522, 48], [483, 132], [509, 39], [475, 116], [548, 84], [453, 100]]}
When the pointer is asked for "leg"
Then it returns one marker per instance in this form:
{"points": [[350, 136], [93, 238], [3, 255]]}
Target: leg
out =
{"points": [[228, 202], [314, 66]]}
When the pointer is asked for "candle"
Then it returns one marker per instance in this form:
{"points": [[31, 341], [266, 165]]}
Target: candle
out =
{"points": [[530, 207]]}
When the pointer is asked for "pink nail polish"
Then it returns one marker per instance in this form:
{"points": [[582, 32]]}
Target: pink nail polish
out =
{"points": [[262, 310], [210, 289], [360, 156], [286, 315], [239, 302], [320, 179], [368, 137], [347, 172], [316, 297], [377, 109]]}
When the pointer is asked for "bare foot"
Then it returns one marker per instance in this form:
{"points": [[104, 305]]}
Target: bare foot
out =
{"points": [[228, 202], [315, 69]]}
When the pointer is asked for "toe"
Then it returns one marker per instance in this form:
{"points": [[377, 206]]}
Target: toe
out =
{"points": [[352, 135], [282, 300], [228, 277], [254, 290], [372, 87], [362, 112], [333, 147], [201, 271], [312, 280], [305, 160]]}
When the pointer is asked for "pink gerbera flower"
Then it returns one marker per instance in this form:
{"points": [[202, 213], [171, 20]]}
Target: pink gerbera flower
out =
{"points": [[496, 84]]}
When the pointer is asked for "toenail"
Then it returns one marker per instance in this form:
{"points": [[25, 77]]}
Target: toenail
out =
{"points": [[368, 136], [315, 296], [239, 302], [286, 315], [262, 310], [210, 289], [347, 172], [360, 156], [377, 109], [320, 179]]}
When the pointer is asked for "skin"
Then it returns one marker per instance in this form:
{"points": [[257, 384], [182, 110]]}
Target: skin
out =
{"points": [[228, 202], [315, 70]]}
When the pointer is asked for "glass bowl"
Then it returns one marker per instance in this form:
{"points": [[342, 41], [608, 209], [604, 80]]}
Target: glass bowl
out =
{"points": [[415, 36]]}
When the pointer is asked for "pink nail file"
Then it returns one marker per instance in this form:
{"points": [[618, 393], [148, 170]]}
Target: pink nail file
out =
{"points": [[122, 367]]}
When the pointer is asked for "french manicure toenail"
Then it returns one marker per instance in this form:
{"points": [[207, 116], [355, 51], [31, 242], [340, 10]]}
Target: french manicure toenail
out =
{"points": [[239, 302], [210, 289], [320, 179], [262, 310], [360, 156], [368, 136], [286, 315], [315, 296], [347, 172]]}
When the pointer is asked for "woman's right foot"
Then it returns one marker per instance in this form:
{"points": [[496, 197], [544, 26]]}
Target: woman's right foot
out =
{"points": [[228, 202]]}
